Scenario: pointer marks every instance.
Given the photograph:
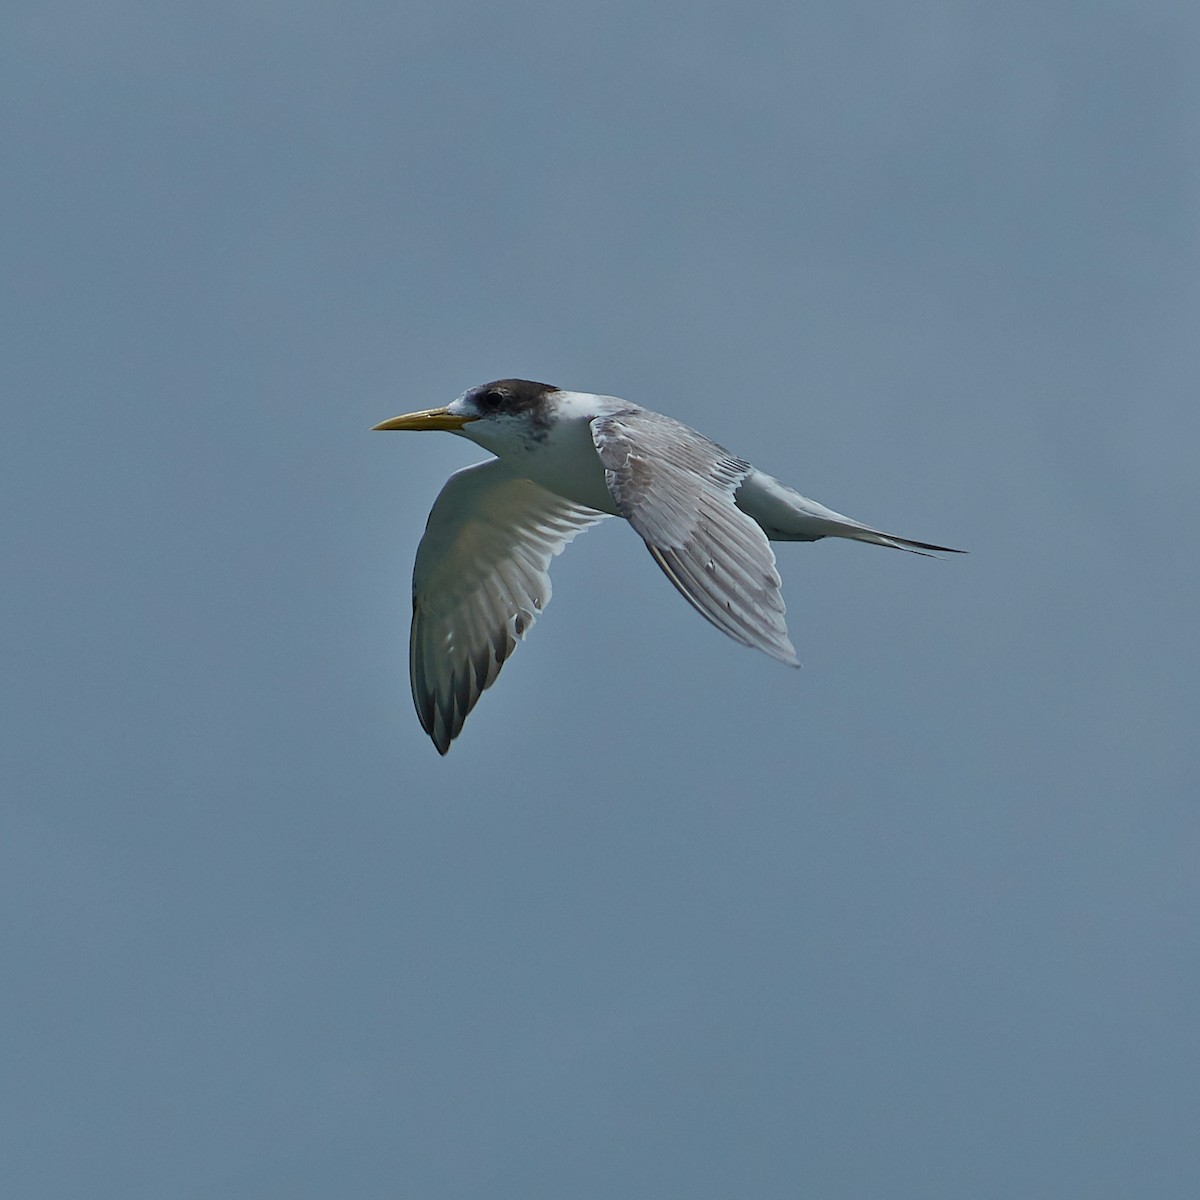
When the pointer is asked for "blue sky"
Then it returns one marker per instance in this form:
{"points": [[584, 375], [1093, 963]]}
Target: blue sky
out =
{"points": [[919, 920]]}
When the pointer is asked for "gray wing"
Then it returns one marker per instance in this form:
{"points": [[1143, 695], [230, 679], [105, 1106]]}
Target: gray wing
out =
{"points": [[675, 487], [480, 580]]}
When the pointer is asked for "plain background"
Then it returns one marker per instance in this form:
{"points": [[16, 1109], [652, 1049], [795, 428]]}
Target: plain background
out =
{"points": [[918, 920]]}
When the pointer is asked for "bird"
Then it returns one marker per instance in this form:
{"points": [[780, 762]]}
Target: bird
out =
{"points": [[564, 460]]}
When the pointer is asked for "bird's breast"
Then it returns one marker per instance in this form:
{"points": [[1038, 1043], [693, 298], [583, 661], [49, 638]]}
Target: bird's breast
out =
{"points": [[565, 462]]}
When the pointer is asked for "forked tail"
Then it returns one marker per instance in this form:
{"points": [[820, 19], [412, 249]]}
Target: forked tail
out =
{"points": [[787, 516], [876, 538]]}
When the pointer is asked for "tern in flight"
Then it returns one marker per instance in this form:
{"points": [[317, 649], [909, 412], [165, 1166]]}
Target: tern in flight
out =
{"points": [[565, 460]]}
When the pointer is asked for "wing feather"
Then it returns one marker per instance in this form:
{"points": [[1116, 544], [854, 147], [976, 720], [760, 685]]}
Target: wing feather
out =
{"points": [[676, 488], [480, 580]]}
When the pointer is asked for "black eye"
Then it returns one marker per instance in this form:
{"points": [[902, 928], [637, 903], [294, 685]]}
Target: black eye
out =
{"points": [[493, 399]]}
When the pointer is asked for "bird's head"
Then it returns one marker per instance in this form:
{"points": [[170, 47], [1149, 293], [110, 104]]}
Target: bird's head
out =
{"points": [[492, 413]]}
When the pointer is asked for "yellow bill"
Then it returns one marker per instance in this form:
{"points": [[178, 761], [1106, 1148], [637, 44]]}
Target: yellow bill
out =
{"points": [[429, 418]]}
